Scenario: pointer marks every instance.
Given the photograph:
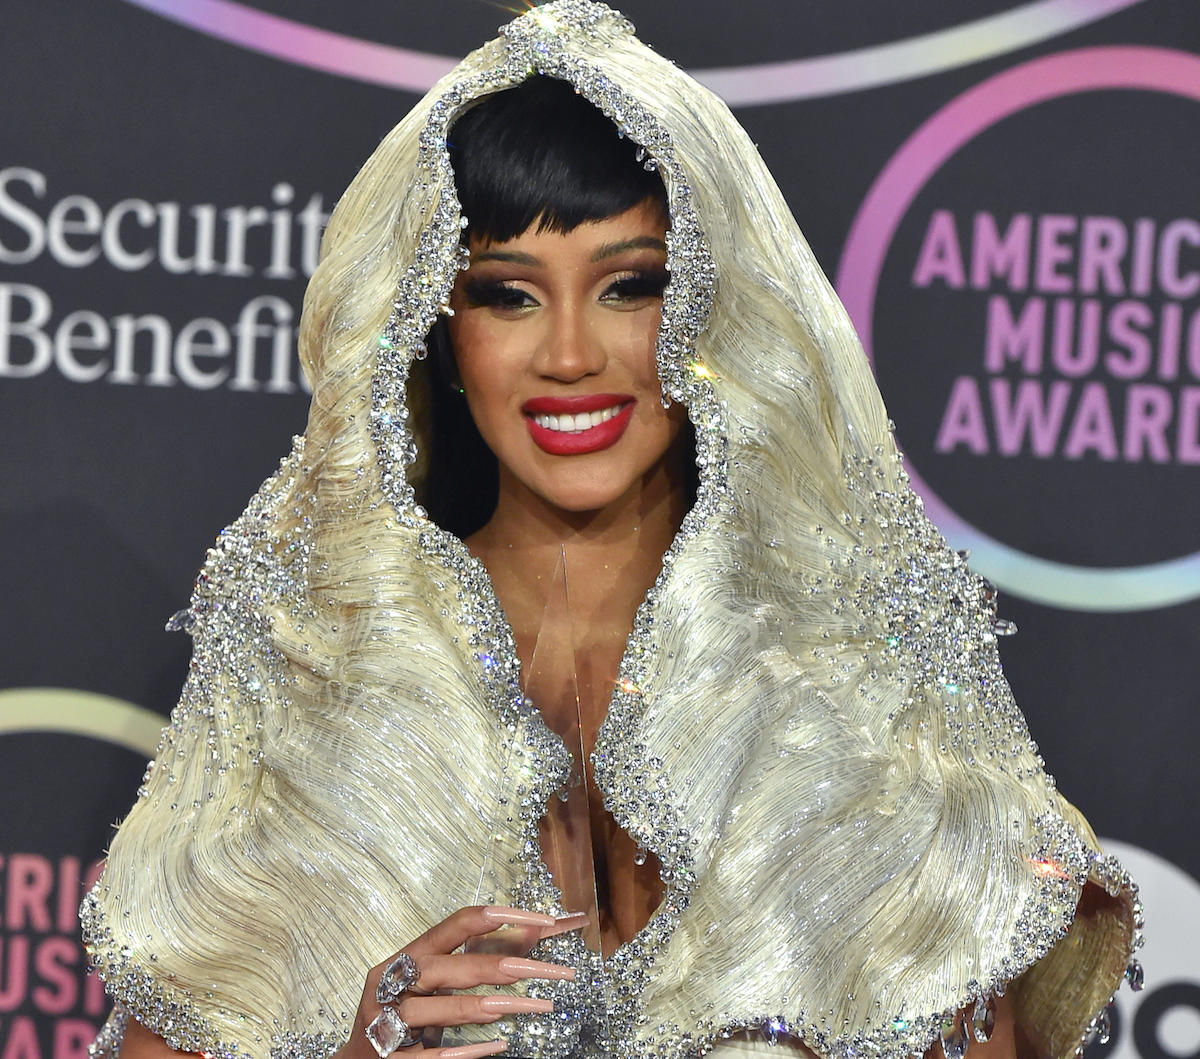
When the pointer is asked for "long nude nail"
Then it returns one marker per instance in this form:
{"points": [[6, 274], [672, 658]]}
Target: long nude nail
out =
{"points": [[520, 968], [503, 1005], [475, 1051], [500, 914], [562, 924]]}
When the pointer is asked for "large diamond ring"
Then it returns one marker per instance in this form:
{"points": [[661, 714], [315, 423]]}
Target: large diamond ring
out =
{"points": [[388, 1031], [398, 977]]}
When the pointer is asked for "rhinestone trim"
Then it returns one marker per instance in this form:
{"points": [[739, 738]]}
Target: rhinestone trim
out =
{"points": [[249, 570], [304, 1045], [107, 1044]]}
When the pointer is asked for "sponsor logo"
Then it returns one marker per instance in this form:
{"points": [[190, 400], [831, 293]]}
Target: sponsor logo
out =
{"points": [[1059, 352], [252, 351]]}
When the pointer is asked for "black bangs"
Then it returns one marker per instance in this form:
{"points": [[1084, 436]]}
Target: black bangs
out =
{"points": [[541, 151]]}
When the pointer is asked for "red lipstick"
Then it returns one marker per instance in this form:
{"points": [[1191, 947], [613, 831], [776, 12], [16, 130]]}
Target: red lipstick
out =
{"points": [[577, 442]]}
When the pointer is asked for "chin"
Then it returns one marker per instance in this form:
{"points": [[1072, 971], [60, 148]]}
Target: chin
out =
{"points": [[583, 490], [582, 501]]}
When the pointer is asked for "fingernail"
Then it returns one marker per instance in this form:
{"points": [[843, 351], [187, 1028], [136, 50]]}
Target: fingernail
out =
{"points": [[562, 924], [501, 1005], [520, 968], [475, 1051], [501, 914]]}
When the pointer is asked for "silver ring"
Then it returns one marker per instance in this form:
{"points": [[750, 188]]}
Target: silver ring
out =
{"points": [[388, 1031], [398, 977]]}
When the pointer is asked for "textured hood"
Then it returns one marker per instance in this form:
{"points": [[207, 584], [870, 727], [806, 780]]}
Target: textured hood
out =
{"points": [[812, 731]]}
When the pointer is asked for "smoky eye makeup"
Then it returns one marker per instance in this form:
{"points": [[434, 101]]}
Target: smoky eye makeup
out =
{"points": [[642, 283], [485, 293]]}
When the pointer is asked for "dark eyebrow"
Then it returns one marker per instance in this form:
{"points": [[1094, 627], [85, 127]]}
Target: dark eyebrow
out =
{"points": [[512, 257], [515, 257], [641, 242]]}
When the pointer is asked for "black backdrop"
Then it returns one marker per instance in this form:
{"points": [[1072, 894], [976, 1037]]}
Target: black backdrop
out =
{"points": [[1004, 192]]}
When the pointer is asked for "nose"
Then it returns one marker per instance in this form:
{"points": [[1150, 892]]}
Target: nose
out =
{"points": [[572, 347]]}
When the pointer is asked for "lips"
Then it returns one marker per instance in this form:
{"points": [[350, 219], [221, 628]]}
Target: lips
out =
{"points": [[571, 426]]}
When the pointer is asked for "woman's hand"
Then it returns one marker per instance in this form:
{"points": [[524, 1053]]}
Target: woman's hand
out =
{"points": [[429, 1004]]}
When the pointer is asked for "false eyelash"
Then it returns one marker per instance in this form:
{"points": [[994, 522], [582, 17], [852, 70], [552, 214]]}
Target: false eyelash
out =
{"points": [[484, 293], [641, 284]]}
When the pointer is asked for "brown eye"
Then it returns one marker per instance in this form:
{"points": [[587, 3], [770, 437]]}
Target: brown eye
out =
{"points": [[497, 295], [637, 285]]}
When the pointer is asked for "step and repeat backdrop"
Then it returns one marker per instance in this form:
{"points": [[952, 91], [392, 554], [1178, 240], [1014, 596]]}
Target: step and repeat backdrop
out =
{"points": [[1004, 193]]}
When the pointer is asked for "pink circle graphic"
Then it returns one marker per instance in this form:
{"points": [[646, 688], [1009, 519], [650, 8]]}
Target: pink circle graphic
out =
{"points": [[874, 227]]}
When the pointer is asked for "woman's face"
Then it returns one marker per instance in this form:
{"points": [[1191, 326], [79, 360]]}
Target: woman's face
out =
{"points": [[554, 339]]}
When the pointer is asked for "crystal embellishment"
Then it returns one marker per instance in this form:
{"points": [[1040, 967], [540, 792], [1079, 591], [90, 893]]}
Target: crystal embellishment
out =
{"points": [[388, 1031], [983, 1020], [398, 976], [1135, 976], [954, 1038], [181, 621], [773, 1029]]}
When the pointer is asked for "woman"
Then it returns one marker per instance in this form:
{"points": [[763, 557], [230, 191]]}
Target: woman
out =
{"points": [[823, 818]]}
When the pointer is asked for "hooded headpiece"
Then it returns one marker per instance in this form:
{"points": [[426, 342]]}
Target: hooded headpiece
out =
{"points": [[811, 731]]}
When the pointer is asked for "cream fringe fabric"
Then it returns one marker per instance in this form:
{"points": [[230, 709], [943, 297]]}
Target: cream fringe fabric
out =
{"points": [[866, 838]]}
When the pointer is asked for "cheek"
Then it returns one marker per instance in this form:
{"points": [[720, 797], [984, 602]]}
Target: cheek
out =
{"points": [[479, 358], [633, 338], [660, 426]]}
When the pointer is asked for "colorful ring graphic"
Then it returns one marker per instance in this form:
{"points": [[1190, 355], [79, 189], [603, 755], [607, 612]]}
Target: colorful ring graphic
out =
{"points": [[83, 713], [910, 168], [739, 86]]}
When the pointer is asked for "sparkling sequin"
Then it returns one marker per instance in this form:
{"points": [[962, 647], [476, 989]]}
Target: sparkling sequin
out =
{"points": [[181, 621], [773, 1030]]}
